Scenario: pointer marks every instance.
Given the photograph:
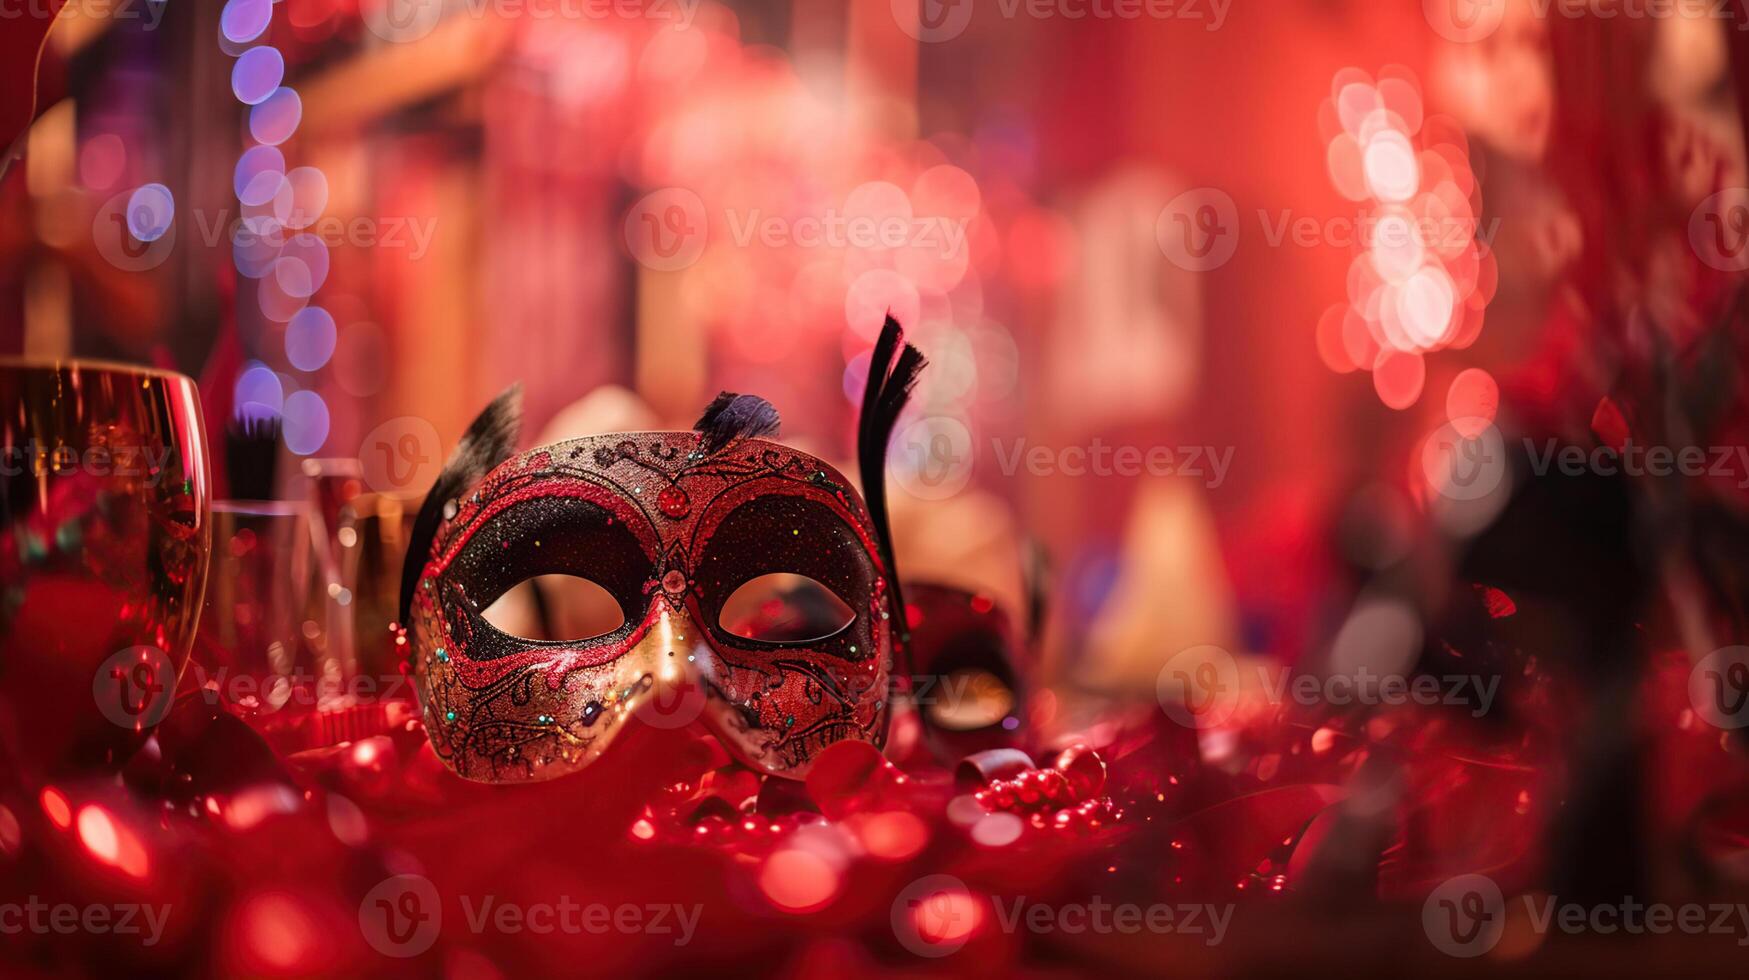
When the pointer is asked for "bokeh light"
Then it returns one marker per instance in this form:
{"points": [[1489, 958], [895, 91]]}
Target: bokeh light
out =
{"points": [[102, 160], [151, 209], [259, 174], [1421, 279], [284, 290], [309, 196], [306, 422], [56, 808], [255, 245], [310, 338], [111, 842], [257, 74], [276, 118], [1391, 171], [309, 252], [1472, 402], [242, 21], [258, 392], [873, 296], [798, 880], [1398, 377]]}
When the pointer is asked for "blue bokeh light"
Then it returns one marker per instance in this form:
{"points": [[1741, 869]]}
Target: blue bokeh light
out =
{"points": [[306, 422], [257, 74], [309, 338]]}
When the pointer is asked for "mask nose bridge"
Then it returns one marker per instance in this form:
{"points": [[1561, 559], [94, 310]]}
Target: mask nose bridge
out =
{"points": [[673, 649]]}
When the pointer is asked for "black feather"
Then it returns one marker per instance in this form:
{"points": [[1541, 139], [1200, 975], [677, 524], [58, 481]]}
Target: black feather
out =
{"points": [[897, 391], [889, 387], [489, 441], [878, 367], [732, 417]]}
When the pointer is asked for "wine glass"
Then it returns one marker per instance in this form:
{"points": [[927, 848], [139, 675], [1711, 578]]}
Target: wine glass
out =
{"points": [[104, 542]]}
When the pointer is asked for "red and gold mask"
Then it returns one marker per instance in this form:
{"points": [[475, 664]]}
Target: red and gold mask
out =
{"points": [[672, 525]]}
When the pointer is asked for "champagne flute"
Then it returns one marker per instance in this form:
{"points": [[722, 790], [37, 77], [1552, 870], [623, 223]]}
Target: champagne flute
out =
{"points": [[105, 535]]}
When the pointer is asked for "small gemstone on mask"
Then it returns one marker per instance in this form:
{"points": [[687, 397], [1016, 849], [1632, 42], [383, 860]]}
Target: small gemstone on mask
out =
{"points": [[674, 581], [673, 502]]}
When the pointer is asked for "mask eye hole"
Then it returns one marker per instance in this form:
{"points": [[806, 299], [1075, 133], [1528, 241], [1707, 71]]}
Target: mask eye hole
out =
{"points": [[555, 607], [783, 607]]}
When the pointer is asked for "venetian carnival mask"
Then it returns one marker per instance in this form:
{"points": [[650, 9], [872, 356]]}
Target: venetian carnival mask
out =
{"points": [[672, 527]]}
